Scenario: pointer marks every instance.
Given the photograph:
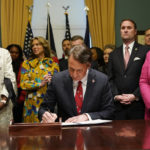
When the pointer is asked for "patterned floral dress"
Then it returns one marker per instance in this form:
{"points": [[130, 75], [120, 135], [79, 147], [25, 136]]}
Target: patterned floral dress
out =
{"points": [[32, 73]]}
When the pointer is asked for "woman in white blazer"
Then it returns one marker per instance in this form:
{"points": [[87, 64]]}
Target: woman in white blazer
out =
{"points": [[6, 71]]}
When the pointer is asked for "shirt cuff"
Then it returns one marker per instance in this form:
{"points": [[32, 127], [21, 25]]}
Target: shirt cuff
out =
{"points": [[88, 116], [115, 98]]}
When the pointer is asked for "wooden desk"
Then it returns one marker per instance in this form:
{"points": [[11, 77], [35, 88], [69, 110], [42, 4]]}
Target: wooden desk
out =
{"points": [[118, 135]]}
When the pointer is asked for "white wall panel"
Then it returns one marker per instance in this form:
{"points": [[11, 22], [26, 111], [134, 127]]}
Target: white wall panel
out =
{"points": [[77, 19]]}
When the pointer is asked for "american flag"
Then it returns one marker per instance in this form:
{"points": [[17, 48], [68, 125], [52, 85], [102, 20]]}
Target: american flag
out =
{"points": [[67, 34], [29, 35]]}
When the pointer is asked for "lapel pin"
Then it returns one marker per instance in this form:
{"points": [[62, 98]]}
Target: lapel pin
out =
{"points": [[93, 81], [136, 49]]}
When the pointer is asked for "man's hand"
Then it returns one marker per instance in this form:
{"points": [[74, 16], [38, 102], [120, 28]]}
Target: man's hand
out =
{"points": [[2, 104], [125, 99], [128, 99], [49, 117], [79, 118], [118, 97]]}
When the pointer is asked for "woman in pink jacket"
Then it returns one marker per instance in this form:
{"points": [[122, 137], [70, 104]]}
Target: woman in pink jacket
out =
{"points": [[145, 85]]}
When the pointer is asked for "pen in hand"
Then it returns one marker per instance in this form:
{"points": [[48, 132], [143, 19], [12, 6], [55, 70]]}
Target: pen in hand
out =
{"points": [[51, 117]]}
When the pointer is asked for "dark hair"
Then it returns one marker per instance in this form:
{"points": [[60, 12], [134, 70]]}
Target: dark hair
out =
{"points": [[99, 55], [81, 53], [77, 37], [16, 63], [111, 46], [19, 49], [135, 26], [45, 45], [65, 40]]}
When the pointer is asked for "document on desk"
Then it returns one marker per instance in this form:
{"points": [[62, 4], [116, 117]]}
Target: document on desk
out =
{"points": [[91, 122]]}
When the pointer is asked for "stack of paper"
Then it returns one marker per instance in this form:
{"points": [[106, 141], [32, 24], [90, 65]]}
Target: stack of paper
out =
{"points": [[97, 121]]}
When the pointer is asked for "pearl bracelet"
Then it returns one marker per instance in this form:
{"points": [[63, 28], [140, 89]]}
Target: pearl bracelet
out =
{"points": [[3, 101]]}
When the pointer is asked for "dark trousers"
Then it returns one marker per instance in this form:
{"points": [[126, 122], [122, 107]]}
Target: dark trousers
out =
{"points": [[18, 112], [129, 112]]}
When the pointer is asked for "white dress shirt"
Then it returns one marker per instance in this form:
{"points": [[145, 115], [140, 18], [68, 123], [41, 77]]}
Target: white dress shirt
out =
{"points": [[129, 49], [84, 85]]}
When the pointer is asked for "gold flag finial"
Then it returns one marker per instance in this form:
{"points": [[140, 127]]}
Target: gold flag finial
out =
{"points": [[86, 9], [30, 8]]}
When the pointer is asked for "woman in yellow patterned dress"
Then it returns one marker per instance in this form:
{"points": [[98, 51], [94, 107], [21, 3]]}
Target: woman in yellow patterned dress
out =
{"points": [[36, 73]]}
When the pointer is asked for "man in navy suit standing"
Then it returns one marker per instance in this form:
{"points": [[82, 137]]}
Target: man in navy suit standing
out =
{"points": [[63, 62], [80, 92], [124, 67]]}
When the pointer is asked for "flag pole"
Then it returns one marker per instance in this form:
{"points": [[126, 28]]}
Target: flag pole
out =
{"points": [[30, 8], [87, 32], [28, 35], [49, 33], [67, 34], [48, 27]]}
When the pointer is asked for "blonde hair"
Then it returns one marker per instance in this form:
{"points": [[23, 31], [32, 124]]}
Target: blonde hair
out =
{"points": [[44, 43]]}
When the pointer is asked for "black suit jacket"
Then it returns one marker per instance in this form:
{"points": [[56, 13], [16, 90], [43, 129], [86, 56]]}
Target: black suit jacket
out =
{"points": [[63, 64], [126, 81], [97, 101]]}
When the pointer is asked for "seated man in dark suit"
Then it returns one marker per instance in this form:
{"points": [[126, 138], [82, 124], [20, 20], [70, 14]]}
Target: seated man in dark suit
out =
{"points": [[81, 93], [63, 62]]}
